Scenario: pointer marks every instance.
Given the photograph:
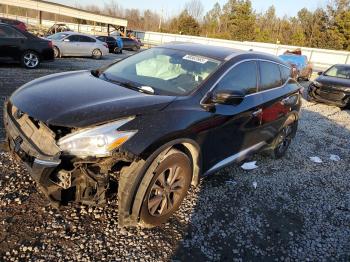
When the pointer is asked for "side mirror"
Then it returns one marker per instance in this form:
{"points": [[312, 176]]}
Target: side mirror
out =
{"points": [[66, 40], [320, 73], [228, 97]]}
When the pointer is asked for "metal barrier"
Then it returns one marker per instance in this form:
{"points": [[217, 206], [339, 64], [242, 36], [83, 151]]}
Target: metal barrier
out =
{"points": [[321, 58]]}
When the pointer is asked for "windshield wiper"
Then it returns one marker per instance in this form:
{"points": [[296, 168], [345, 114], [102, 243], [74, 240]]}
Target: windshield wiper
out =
{"points": [[143, 89]]}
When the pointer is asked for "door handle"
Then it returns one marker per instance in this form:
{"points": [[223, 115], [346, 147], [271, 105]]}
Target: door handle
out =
{"points": [[257, 112]]}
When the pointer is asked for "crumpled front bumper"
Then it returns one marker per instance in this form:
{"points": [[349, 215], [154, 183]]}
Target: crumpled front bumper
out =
{"points": [[329, 96], [40, 164]]}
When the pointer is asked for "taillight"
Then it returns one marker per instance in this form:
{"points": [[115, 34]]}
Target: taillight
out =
{"points": [[50, 44], [105, 45]]}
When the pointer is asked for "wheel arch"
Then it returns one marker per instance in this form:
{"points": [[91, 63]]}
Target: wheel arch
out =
{"points": [[133, 182]]}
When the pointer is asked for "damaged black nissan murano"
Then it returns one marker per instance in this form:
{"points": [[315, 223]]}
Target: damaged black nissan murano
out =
{"points": [[148, 127]]}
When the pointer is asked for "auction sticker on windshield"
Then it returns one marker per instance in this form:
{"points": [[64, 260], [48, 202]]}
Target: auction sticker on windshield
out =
{"points": [[196, 59]]}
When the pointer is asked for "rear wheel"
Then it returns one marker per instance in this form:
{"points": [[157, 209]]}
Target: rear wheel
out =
{"points": [[283, 140], [96, 54], [30, 59], [167, 189], [56, 52]]}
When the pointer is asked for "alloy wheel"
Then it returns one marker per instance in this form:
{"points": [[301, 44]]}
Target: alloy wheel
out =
{"points": [[31, 60], [284, 139], [166, 191], [96, 53]]}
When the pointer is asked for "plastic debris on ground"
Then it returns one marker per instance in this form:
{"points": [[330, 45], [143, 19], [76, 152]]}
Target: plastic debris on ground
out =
{"points": [[334, 158], [316, 159], [249, 165], [231, 182], [255, 185]]}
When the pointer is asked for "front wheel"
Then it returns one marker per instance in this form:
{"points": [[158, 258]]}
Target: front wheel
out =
{"points": [[96, 54], [30, 59], [167, 189]]}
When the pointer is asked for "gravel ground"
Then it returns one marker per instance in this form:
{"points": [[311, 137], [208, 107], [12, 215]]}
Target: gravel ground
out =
{"points": [[299, 210]]}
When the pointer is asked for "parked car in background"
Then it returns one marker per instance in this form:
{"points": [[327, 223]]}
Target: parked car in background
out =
{"points": [[24, 47], [18, 24], [130, 44], [153, 124], [332, 86], [111, 42], [77, 44], [58, 28], [300, 65]]}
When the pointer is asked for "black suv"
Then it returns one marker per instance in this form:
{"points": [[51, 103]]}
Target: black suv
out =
{"points": [[24, 47], [153, 124]]}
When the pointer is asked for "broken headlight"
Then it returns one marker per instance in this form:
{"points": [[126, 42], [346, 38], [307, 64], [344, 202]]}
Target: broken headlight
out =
{"points": [[99, 141]]}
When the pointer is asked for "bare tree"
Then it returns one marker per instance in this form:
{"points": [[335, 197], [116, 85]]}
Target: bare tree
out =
{"points": [[195, 9], [114, 9]]}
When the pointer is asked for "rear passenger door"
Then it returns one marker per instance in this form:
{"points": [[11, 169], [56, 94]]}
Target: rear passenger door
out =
{"points": [[279, 93]]}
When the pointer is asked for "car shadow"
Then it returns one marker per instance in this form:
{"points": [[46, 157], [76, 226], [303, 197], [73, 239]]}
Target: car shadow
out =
{"points": [[287, 208]]}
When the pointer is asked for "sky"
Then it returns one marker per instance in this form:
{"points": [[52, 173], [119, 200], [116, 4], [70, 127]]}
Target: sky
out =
{"points": [[173, 7]]}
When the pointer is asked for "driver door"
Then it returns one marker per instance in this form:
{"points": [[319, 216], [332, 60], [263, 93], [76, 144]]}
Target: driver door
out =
{"points": [[238, 125], [70, 45]]}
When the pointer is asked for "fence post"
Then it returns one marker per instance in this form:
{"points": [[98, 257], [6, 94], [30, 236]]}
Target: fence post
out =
{"points": [[310, 58], [347, 59]]}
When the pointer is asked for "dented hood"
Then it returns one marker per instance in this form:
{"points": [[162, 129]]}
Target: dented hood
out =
{"points": [[78, 99]]}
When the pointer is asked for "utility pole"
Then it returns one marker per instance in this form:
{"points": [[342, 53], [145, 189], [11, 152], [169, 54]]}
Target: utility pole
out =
{"points": [[160, 20]]}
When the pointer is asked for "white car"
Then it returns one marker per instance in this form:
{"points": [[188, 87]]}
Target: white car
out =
{"points": [[76, 44]]}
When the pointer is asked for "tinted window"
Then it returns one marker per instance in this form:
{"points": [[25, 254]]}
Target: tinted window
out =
{"points": [[285, 73], [101, 38], [86, 39], [110, 39], [242, 77], [270, 76], [8, 32], [74, 38], [341, 71]]}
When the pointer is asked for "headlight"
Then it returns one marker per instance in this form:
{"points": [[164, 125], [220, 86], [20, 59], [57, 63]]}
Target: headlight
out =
{"points": [[99, 141]]}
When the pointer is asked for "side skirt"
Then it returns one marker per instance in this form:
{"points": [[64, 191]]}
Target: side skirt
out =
{"points": [[235, 158]]}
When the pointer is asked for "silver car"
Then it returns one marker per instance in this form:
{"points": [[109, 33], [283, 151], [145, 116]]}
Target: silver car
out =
{"points": [[76, 44]]}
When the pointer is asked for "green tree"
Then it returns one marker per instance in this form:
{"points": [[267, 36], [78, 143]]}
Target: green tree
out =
{"points": [[212, 21], [239, 19], [187, 25]]}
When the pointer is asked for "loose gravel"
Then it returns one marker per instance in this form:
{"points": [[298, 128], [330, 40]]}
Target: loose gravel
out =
{"points": [[288, 209]]}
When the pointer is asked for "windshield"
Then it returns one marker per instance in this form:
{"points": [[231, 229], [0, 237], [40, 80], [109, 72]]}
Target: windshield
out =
{"points": [[57, 36], [339, 71], [166, 71]]}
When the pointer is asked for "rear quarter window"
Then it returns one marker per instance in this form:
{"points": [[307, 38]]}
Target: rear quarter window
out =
{"points": [[286, 73], [270, 76]]}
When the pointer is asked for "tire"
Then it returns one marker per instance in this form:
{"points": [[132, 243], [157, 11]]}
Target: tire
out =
{"points": [[134, 48], [167, 188], [283, 140], [30, 59], [56, 52], [96, 54]]}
